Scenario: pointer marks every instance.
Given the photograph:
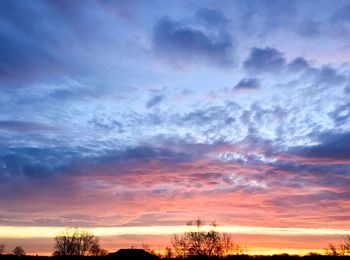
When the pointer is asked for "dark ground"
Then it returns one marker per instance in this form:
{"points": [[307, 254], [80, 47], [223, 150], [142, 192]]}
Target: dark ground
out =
{"points": [[138, 255]]}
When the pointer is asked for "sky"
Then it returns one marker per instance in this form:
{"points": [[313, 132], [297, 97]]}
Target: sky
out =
{"points": [[131, 115]]}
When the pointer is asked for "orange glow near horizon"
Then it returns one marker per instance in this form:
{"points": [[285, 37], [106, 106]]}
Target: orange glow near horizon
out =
{"points": [[42, 232], [255, 240]]}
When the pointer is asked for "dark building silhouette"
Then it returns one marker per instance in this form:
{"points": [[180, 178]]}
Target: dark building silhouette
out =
{"points": [[127, 254]]}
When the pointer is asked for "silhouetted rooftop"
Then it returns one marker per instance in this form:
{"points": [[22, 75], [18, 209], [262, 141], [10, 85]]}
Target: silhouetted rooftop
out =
{"points": [[133, 254]]}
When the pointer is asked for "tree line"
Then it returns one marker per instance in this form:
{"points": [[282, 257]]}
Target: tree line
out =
{"points": [[199, 240], [343, 249], [18, 250]]}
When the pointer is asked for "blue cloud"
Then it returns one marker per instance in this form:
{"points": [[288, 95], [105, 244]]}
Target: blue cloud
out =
{"points": [[247, 83], [30, 162], [341, 115], [28, 45], [21, 126], [176, 42], [48, 42], [155, 100], [331, 145], [264, 60], [329, 76], [347, 90], [298, 64]]}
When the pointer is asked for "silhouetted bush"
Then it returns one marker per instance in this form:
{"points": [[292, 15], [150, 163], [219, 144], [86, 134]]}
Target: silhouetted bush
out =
{"points": [[18, 251], [200, 243], [73, 241]]}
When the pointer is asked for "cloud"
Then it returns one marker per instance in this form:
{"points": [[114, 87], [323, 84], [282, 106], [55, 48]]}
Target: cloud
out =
{"points": [[329, 76], [341, 115], [298, 64], [264, 60], [339, 22], [21, 126], [331, 145], [27, 51], [48, 42], [143, 153], [178, 42], [66, 146], [316, 200], [309, 28], [342, 14], [30, 162], [247, 84], [211, 17], [155, 100], [347, 90]]}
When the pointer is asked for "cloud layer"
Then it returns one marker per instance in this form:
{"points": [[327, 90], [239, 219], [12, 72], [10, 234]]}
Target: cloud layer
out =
{"points": [[126, 114]]}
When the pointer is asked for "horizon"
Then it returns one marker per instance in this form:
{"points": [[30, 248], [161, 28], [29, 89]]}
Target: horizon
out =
{"points": [[137, 116], [266, 240]]}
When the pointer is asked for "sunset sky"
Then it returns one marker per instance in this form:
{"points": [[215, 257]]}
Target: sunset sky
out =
{"points": [[131, 118]]}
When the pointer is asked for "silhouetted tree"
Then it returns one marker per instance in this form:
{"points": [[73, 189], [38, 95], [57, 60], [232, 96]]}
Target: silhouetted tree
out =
{"points": [[18, 251], [103, 252], [148, 249], [200, 242], [96, 250], [168, 252], [345, 245], [73, 241], [332, 250], [342, 250], [2, 248]]}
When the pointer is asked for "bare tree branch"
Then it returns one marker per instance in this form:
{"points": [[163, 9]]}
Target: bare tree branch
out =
{"points": [[199, 242], [73, 241]]}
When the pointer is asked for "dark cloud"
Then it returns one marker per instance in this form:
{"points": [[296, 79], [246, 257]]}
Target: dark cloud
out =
{"points": [[341, 115], [21, 126], [178, 42], [247, 83], [46, 166], [329, 76], [307, 174], [155, 100], [27, 48], [264, 60], [331, 145], [46, 41], [148, 153], [32, 162], [131, 155], [298, 64], [107, 123]]}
